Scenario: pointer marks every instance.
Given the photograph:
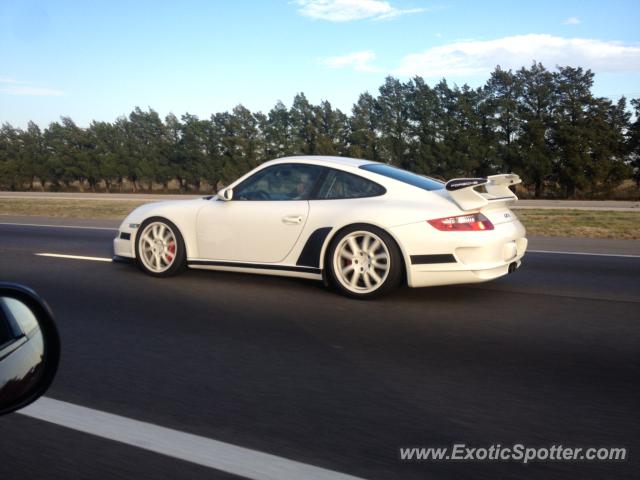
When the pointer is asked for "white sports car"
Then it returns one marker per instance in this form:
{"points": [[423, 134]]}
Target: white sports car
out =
{"points": [[362, 226]]}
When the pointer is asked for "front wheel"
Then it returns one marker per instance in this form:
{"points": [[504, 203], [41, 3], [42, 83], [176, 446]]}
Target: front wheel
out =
{"points": [[364, 262], [160, 248]]}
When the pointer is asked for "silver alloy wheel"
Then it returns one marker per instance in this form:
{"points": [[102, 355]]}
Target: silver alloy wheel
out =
{"points": [[157, 246], [361, 262]]}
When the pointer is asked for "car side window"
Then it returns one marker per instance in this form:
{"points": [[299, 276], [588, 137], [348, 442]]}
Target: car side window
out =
{"points": [[280, 182], [338, 184]]}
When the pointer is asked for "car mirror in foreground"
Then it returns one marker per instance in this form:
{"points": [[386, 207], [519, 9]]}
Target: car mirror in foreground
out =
{"points": [[29, 347], [226, 194]]}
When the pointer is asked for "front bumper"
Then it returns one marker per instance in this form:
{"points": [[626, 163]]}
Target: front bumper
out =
{"points": [[446, 258], [126, 260], [123, 244]]}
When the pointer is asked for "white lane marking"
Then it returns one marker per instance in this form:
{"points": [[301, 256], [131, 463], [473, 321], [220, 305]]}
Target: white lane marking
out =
{"points": [[57, 226], [586, 253], [185, 446], [73, 257]]}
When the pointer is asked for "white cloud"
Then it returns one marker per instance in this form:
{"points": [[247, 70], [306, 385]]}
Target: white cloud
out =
{"points": [[359, 61], [348, 10], [395, 12], [10, 86], [571, 21], [475, 57]]}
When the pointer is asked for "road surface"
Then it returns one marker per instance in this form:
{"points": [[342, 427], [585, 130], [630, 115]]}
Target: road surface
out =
{"points": [[548, 355]]}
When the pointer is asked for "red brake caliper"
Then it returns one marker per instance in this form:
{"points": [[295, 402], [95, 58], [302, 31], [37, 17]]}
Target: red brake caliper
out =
{"points": [[172, 250]]}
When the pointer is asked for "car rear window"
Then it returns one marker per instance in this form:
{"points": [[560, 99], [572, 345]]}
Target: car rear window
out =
{"points": [[404, 176], [342, 185]]}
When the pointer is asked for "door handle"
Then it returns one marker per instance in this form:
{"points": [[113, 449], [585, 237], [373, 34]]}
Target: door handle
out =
{"points": [[292, 219]]}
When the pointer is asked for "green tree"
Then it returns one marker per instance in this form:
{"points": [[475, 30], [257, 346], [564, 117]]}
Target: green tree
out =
{"points": [[425, 124], [33, 154], [546, 126], [634, 142], [536, 110], [191, 152], [11, 176], [108, 143], [607, 165], [278, 132], [392, 110], [503, 90], [240, 142], [363, 139], [148, 148], [572, 120], [333, 131], [303, 126], [70, 159]]}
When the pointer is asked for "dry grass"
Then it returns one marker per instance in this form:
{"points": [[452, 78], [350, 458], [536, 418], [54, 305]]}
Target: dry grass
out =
{"points": [[68, 208], [581, 223], [556, 223]]}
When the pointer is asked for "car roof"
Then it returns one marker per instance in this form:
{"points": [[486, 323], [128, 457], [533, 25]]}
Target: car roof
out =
{"points": [[322, 160]]}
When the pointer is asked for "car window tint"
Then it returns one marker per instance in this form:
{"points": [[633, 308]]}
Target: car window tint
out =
{"points": [[338, 184], [280, 182], [404, 176]]}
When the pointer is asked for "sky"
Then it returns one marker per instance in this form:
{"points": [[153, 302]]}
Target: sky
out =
{"points": [[97, 60]]}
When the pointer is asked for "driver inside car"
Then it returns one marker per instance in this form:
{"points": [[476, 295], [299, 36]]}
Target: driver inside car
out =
{"points": [[300, 191]]}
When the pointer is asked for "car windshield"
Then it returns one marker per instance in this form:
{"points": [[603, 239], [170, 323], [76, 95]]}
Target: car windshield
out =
{"points": [[404, 176]]}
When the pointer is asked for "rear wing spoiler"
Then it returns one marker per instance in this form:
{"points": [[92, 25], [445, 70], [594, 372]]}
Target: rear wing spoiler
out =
{"points": [[475, 193]]}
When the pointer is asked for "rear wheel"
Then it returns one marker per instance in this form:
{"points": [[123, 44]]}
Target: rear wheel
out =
{"points": [[364, 262], [160, 248]]}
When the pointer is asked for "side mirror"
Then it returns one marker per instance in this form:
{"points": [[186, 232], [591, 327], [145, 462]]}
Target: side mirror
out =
{"points": [[29, 347], [226, 194]]}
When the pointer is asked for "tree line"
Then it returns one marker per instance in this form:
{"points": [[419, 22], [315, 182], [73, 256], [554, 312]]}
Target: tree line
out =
{"points": [[545, 125]]}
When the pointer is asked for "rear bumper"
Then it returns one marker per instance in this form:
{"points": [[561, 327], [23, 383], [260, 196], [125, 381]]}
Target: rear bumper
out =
{"points": [[444, 258]]}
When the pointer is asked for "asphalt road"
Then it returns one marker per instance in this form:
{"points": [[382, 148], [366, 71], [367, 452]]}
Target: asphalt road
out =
{"points": [[548, 355]]}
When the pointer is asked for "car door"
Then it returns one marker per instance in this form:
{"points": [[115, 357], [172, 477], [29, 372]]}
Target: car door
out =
{"points": [[263, 221]]}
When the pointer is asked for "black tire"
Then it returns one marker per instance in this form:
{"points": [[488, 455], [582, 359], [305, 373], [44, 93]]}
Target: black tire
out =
{"points": [[179, 260], [394, 273]]}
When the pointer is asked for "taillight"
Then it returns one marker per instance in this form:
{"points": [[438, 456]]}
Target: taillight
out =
{"points": [[472, 222]]}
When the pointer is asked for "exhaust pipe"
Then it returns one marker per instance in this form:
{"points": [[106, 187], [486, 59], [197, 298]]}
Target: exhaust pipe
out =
{"points": [[512, 267]]}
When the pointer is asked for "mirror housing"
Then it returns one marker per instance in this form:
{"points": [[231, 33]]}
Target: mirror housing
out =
{"points": [[29, 347], [226, 194]]}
